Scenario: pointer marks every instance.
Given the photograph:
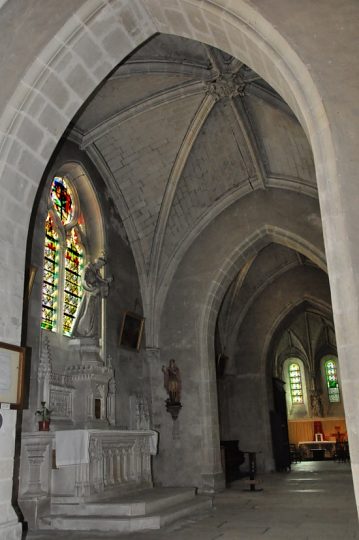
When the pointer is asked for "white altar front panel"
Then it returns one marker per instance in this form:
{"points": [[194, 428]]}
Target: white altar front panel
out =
{"points": [[101, 464]]}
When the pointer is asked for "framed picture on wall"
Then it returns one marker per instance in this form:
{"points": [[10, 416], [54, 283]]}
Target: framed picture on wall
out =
{"points": [[12, 365], [131, 330]]}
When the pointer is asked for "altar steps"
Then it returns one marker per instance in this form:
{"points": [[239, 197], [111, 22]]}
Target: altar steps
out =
{"points": [[150, 509]]}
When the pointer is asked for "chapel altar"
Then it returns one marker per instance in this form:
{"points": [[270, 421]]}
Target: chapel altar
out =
{"points": [[317, 450], [84, 457], [79, 466]]}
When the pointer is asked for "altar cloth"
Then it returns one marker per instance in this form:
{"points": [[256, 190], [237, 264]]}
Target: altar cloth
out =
{"points": [[72, 447]]}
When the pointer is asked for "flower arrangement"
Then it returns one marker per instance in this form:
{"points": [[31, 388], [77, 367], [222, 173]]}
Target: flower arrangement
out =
{"points": [[44, 415]]}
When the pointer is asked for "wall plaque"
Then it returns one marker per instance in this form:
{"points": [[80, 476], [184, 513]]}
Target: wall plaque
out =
{"points": [[12, 363]]}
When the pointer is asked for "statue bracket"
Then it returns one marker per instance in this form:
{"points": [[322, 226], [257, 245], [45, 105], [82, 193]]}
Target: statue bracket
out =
{"points": [[173, 407]]}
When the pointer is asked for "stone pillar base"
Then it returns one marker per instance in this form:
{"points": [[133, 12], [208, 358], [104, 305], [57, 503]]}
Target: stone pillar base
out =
{"points": [[211, 483], [33, 508], [11, 530]]}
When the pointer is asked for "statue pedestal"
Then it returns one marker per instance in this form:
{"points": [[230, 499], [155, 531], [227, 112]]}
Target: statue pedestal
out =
{"points": [[90, 379], [85, 351]]}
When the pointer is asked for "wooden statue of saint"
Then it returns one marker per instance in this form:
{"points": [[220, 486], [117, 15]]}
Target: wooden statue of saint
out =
{"points": [[172, 381]]}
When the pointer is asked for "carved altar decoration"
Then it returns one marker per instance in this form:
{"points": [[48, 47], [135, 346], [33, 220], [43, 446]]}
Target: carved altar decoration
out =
{"points": [[111, 399], [80, 389], [139, 412], [90, 396], [93, 398], [173, 385], [83, 393], [81, 465], [56, 389]]}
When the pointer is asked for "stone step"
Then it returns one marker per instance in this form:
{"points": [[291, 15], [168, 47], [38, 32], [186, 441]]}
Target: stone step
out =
{"points": [[136, 504], [126, 524]]}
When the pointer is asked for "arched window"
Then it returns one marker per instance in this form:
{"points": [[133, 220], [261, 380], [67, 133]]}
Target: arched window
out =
{"points": [[295, 383], [331, 377], [63, 258]]}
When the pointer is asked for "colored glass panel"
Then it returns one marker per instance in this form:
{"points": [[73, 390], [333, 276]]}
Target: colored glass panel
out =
{"points": [[62, 200], [63, 263], [332, 381], [73, 288], [295, 383], [50, 278]]}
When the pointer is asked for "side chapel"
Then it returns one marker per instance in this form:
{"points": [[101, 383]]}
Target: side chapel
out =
{"points": [[179, 237]]}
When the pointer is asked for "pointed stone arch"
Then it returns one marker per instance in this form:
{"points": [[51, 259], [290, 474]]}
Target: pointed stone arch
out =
{"points": [[225, 275], [36, 116]]}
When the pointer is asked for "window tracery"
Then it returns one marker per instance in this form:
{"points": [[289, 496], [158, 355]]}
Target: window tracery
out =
{"points": [[63, 258]]}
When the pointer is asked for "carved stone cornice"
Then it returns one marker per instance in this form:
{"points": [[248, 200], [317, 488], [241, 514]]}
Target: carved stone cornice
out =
{"points": [[89, 371]]}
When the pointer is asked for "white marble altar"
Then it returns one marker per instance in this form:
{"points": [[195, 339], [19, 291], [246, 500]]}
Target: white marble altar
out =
{"points": [[103, 463]]}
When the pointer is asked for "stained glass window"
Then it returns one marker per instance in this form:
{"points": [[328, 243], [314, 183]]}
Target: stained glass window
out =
{"points": [[73, 289], [51, 276], [295, 382], [332, 381], [63, 259], [62, 200]]}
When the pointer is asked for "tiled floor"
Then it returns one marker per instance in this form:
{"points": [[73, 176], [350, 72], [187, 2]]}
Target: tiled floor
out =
{"points": [[313, 502]]}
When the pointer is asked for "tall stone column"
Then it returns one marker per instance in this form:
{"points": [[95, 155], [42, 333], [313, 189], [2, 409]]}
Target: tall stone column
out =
{"points": [[212, 474], [10, 528], [153, 356]]}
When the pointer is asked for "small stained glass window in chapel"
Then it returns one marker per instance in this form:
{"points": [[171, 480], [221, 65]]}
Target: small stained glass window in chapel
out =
{"points": [[63, 258], [295, 382], [332, 381]]}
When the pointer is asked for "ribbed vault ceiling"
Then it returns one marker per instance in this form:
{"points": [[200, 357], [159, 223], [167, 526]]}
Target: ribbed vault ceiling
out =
{"points": [[180, 131], [271, 263]]}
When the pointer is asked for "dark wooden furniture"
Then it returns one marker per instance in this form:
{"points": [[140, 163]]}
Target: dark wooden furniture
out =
{"points": [[318, 454], [232, 459]]}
